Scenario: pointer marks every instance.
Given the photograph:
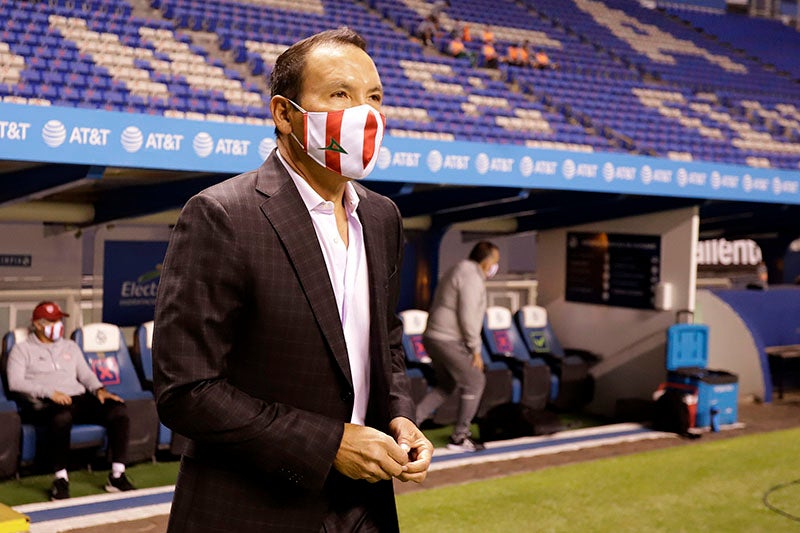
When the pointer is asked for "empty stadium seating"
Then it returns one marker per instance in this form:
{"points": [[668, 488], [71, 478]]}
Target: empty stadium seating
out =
{"points": [[629, 79]]}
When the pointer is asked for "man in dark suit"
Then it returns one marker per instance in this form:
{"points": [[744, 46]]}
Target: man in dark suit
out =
{"points": [[276, 347]]}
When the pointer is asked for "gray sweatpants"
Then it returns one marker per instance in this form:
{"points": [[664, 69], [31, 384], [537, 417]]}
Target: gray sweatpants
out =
{"points": [[452, 362]]}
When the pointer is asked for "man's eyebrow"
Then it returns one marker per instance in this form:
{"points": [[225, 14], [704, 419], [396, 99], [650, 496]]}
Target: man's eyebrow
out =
{"points": [[343, 84]]}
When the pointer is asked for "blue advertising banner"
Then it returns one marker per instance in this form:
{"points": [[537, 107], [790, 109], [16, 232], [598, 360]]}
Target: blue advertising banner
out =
{"points": [[131, 272], [80, 136]]}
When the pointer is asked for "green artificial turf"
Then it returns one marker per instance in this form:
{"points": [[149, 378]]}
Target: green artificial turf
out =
{"points": [[706, 486], [29, 489]]}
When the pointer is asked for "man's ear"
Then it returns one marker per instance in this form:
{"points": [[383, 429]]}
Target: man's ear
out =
{"points": [[280, 108]]}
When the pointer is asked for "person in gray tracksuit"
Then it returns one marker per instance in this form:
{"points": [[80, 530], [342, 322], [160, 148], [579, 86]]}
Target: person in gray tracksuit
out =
{"points": [[452, 339]]}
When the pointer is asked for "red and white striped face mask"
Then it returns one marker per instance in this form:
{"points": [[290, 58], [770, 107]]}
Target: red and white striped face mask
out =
{"points": [[346, 142]]}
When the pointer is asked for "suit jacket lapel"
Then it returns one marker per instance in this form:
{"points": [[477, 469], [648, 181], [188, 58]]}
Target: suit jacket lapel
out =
{"points": [[380, 366], [285, 210]]}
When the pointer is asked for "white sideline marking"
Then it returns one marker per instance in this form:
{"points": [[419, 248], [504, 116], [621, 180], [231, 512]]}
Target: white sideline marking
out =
{"points": [[96, 519], [484, 457], [99, 519], [94, 498]]}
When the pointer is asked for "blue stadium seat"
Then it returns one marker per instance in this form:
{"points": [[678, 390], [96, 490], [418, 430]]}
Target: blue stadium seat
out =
{"points": [[505, 346], [576, 385], [142, 356], [10, 425], [105, 350], [501, 386], [418, 364]]}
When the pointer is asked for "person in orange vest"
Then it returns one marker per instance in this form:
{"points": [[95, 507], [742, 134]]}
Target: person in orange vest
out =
{"points": [[517, 55], [490, 58], [488, 35], [456, 47], [542, 60], [465, 34], [512, 55]]}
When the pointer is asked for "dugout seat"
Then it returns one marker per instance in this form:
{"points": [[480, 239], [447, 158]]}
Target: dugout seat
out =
{"points": [[82, 436], [142, 356], [501, 386], [107, 354], [505, 346], [418, 364], [10, 425], [575, 384]]}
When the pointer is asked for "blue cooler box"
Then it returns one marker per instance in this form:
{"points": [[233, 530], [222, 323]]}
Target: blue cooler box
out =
{"points": [[717, 390]]}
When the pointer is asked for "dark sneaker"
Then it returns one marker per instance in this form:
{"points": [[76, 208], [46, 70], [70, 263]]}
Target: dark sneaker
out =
{"points": [[59, 490], [465, 444], [118, 484]]}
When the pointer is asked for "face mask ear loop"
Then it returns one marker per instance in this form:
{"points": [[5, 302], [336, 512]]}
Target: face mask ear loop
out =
{"points": [[297, 141], [292, 132]]}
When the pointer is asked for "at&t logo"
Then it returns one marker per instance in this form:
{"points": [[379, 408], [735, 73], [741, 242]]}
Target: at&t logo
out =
{"points": [[132, 140], [482, 163], [203, 144], [384, 158], [13, 131], [608, 172], [54, 133], [526, 166], [568, 169], [265, 147], [435, 160], [647, 174]]}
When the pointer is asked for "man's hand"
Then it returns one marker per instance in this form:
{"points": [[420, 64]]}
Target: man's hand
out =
{"points": [[103, 395], [60, 398], [419, 449], [366, 453], [477, 360]]}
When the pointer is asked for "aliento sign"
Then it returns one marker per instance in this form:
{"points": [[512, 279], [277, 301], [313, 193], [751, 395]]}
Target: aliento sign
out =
{"points": [[727, 253], [80, 136]]}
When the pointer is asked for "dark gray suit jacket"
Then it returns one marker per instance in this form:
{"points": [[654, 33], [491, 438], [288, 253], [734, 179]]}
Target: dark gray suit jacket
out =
{"points": [[250, 360]]}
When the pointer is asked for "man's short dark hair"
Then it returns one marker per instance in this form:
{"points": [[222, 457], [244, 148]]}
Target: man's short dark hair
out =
{"points": [[481, 251], [287, 75]]}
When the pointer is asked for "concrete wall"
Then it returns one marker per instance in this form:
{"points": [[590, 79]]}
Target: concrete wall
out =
{"points": [[60, 258], [517, 252], [631, 342], [730, 345]]}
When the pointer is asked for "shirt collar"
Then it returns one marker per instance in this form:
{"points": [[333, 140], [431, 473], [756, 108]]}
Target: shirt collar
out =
{"points": [[312, 199]]}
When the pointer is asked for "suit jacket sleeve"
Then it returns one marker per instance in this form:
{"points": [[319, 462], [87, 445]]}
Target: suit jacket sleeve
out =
{"points": [[202, 292]]}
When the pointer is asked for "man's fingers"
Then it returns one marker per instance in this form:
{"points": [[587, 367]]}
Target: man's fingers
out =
{"points": [[366, 453], [396, 451]]}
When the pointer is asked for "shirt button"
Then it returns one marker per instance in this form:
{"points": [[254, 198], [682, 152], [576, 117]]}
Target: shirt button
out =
{"points": [[336, 240], [347, 396]]}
